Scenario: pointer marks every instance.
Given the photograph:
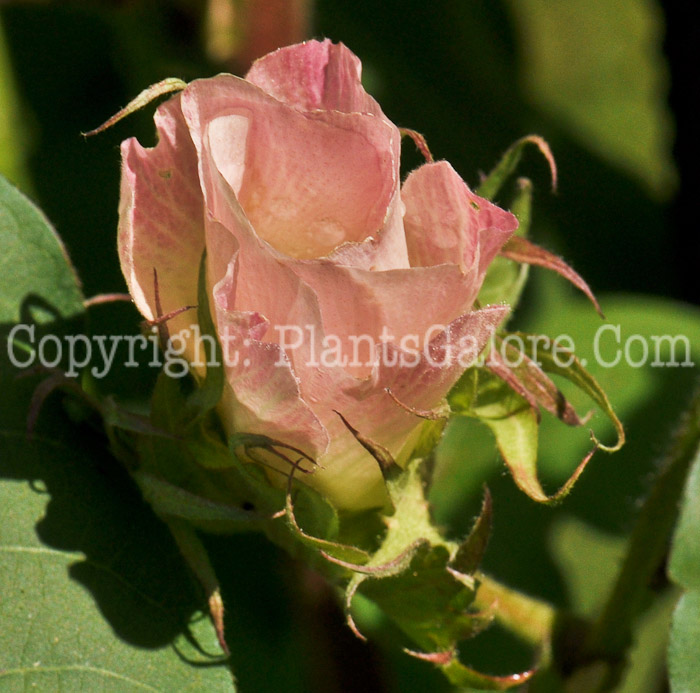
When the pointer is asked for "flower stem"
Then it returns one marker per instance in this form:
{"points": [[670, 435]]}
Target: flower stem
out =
{"points": [[530, 619], [611, 634]]}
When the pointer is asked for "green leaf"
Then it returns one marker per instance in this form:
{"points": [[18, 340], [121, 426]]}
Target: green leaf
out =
{"points": [[516, 436], [313, 522], [684, 646], [684, 569], [612, 53], [95, 595], [483, 395], [647, 379], [684, 565], [195, 477], [526, 378], [173, 501], [416, 577], [424, 441], [39, 283]]}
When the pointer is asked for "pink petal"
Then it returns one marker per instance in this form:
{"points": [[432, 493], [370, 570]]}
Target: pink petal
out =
{"points": [[161, 218], [246, 277], [307, 183], [360, 306], [325, 76], [316, 75], [425, 385], [372, 411], [446, 222], [262, 393], [384, 251], [265, 282], [252, 293]]}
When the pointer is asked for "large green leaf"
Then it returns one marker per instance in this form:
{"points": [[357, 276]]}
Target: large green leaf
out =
{"points": [[33, 263], [684, 647], [685, 558], [597, 68], [683, 651], [94, 593]]}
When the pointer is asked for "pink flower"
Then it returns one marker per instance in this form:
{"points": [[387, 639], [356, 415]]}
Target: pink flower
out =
{"points": [[315, 253]]}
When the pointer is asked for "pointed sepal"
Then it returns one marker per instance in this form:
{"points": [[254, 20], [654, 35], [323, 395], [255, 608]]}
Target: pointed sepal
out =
{"points": [[515, 426], [524, 251], [165, 86], [493, 182]]}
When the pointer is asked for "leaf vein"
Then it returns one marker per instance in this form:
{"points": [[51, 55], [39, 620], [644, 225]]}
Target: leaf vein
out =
{"points": [[23, 671]]}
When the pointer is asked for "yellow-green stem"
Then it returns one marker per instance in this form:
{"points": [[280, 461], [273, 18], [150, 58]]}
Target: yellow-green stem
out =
{"points": [[527, 617]]}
